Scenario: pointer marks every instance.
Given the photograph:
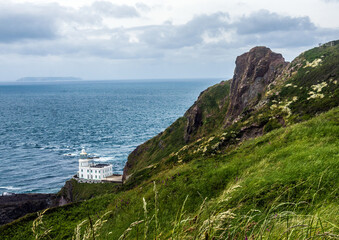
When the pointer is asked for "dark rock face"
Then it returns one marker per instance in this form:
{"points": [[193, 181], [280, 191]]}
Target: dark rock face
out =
{"points": [[18, 205], [66, 193], [15, 206], [194, 121], [253, 72]]}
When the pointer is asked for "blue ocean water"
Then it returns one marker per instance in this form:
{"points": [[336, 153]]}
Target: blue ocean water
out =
{"points": [[44, 126]]}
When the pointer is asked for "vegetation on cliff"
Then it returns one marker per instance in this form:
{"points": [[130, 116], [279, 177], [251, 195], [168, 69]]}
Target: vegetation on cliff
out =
{"points": [[269, 172]]}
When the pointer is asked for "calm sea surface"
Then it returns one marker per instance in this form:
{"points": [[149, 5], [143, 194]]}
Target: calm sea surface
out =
{"points": [[44, 126]]}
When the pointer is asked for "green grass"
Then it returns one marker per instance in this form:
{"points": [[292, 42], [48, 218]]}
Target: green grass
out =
{"points": [[286, 179], [305, 77]]}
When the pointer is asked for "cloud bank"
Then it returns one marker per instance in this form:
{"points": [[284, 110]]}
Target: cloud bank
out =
{"points": [[90, 31]]}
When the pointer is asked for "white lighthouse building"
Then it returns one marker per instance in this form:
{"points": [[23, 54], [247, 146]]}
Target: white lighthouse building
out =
{"points": [[89, 170]]}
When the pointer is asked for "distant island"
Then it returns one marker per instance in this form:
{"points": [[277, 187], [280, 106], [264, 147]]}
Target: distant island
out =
{"points": [[48, 79]]}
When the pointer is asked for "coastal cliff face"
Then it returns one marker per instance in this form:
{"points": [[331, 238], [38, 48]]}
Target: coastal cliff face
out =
{"points": [[205, 116], [265, 93], [254, 71], [194, 121], [217, 106]]}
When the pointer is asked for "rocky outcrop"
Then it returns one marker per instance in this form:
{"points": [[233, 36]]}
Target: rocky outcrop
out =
{"points": [[253, 72], [18, 205], [214, 108], [194, 121], [66, 193], [14, 206]]}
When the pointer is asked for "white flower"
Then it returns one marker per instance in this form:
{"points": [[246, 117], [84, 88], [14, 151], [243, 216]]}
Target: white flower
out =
{"points": [[313, 64]]}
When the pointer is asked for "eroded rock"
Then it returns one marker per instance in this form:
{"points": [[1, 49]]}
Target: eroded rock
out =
{"points": [[254, 71]]}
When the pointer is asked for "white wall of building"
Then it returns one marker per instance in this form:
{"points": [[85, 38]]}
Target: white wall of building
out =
{"points": [[95, 173], [88, 170]]}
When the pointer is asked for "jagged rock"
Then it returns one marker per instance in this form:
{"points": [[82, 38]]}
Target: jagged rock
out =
{"points": [[251, 131], [194, 121], [253, 72]]}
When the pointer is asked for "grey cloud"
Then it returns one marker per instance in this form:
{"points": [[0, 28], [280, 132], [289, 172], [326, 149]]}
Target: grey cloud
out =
{"points": [[32, 24], [264, 21], [274, 30], [118, 47], [280, 39], [109, 9], [189, 34], [159, 41]]}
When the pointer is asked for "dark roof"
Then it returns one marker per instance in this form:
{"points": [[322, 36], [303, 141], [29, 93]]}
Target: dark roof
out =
{"points": [[100, 165]]}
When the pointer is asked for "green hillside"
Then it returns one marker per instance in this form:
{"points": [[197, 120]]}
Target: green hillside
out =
{"points": [[271, 174]]}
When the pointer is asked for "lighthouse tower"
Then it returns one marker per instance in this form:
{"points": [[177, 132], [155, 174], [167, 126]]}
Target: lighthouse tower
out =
{"points": [[84, 164], [84, 161]]}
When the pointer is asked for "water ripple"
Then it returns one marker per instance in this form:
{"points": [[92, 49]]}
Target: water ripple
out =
{"points": [[43, 127]]}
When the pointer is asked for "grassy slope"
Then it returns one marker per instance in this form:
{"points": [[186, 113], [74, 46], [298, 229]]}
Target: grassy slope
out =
{"points": [[213, 103], [287, 101], [295, 164]]}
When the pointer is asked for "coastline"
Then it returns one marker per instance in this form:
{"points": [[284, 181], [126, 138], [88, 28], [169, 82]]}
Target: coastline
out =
{"points": [[16, 205]]}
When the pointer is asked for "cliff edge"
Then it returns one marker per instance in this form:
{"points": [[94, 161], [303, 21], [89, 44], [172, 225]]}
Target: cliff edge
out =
{"points": [[265, 93], [254, 71]]}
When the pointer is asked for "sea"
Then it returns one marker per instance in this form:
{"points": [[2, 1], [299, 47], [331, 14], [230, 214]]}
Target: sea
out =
{"points": [[44, 126]]}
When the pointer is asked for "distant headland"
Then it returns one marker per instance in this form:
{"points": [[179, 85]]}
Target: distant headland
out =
{"points": [[48, 79]]}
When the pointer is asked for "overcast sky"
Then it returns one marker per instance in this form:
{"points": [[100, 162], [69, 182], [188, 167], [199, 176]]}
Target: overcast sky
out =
{"points": [[142, 39]]}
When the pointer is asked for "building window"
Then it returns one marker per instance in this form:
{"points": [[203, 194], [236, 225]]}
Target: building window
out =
{"points": [[95, 171], [82, 175], [87, 170], [82, 170]]}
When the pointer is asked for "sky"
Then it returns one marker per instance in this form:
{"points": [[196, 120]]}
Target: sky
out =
{"points": [[153, 39]]}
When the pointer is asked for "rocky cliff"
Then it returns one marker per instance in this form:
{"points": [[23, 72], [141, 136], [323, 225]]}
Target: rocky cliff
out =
{"points": [[265, 93], [217, 106], [194, 121], [254, 71]]}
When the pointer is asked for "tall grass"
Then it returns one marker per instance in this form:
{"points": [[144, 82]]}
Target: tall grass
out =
{"points": [[86, 229], [215, 220], [39, 229]]}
